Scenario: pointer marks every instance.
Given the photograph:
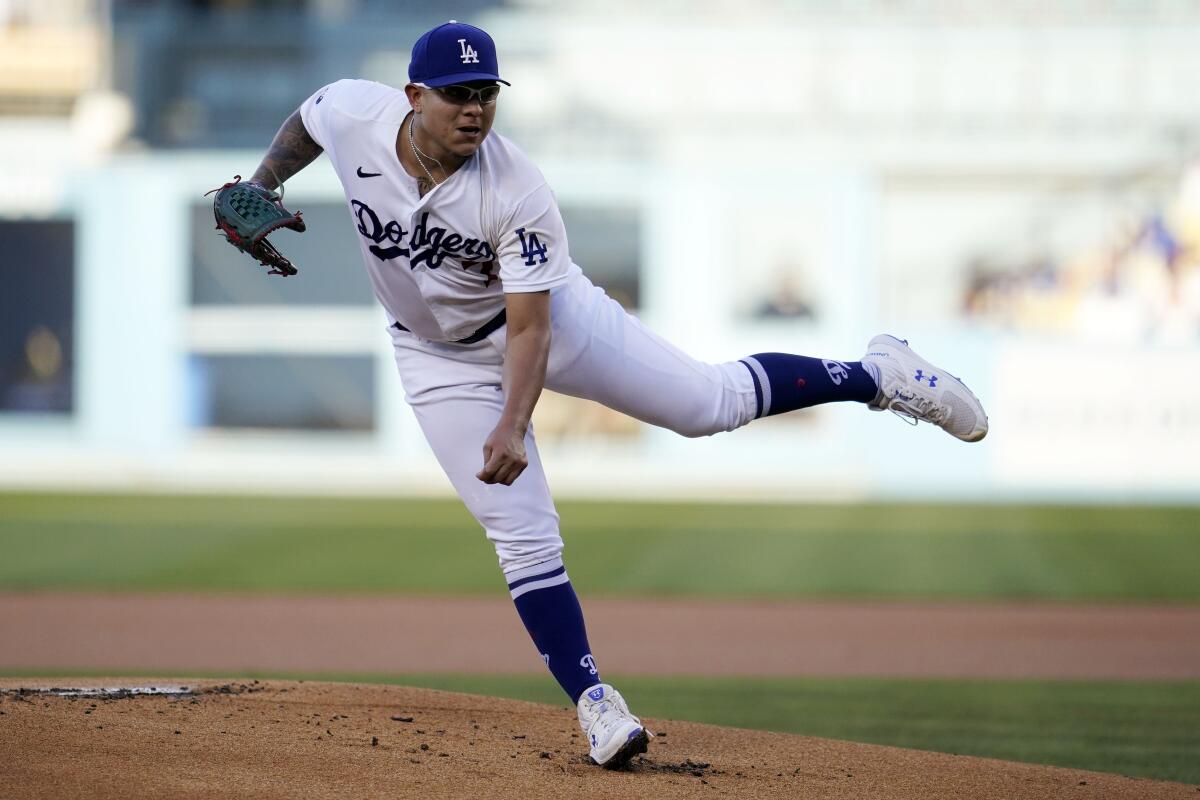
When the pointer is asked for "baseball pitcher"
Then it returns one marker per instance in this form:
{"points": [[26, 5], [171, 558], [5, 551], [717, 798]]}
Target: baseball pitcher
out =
{"points": [[465, 248]]}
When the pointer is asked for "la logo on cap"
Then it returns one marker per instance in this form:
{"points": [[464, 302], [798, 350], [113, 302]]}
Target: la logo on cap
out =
{"points": [[453, 53], [469, 56]]}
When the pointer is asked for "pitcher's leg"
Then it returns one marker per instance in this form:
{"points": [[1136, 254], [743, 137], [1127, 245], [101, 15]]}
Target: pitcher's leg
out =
{"points": [[456, 413], [602, 353], [784, 382]]}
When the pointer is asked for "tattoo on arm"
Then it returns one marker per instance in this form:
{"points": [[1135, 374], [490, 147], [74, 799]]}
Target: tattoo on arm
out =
{"points": [[291, 151]]}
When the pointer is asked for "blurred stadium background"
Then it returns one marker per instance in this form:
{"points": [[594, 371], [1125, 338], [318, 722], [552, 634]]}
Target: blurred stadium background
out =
{"points": [[1013, 186]]}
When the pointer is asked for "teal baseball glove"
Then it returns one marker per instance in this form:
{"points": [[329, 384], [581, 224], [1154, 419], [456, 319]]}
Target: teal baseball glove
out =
{"points": [[246, 212]]}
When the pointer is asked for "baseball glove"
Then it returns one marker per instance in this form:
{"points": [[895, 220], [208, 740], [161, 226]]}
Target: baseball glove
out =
{"points": [[246, 213]]}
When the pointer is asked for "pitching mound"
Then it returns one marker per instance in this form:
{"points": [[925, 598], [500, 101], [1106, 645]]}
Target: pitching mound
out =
{"points": [[65, 738]]}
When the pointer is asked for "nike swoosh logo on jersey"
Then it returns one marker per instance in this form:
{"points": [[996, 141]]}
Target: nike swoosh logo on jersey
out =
{"points": [[362, 174]]}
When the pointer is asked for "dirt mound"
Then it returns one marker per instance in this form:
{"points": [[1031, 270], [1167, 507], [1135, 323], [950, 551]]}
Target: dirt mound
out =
{"points": [[208, 739]]}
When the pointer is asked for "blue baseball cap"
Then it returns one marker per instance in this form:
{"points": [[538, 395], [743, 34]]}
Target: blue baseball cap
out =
{"points": [[454, 53]]}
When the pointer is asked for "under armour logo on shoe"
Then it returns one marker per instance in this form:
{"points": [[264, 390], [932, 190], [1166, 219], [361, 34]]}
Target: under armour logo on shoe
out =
{"points": [[588, 663], [921, 376]]}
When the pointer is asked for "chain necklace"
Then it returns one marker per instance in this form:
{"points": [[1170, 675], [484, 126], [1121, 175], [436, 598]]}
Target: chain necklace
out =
{"points": [[416, 152]]}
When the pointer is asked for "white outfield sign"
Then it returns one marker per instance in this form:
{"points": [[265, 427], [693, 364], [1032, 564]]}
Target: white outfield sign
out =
{"points": [[1074, 416]]}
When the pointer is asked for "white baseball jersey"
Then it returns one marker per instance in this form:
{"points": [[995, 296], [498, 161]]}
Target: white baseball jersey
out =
{"points": [[439, 264]]}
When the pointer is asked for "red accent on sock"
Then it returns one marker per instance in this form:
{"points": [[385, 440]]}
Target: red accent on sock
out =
{"points": [[800, 383]]}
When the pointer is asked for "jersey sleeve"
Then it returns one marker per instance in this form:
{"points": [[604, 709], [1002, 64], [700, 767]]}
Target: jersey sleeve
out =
{"points": [[532, 250], [315, 118], [331, 108]]}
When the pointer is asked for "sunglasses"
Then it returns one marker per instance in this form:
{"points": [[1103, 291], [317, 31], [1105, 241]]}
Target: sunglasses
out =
{"points": [[460, 95]]}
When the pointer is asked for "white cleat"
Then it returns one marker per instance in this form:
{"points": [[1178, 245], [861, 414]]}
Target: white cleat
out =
{"points": [[912, 387], [615, 735]]}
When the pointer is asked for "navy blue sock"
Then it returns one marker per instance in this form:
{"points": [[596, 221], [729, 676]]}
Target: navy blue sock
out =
{"points": [[785, 382], [551, 613]]}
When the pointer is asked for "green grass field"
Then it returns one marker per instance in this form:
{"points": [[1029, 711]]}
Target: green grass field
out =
{"points": [[353, 545], [977, 553]]}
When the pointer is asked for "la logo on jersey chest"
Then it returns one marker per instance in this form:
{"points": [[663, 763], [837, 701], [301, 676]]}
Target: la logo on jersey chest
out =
{"points": [[468, 55]]}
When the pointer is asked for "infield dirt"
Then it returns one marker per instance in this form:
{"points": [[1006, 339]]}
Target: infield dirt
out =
{"points": [[317, 740], [237, 633]]}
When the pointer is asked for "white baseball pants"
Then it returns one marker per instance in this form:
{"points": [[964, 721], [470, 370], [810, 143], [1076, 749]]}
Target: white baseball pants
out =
{"points": [[598, 352]]}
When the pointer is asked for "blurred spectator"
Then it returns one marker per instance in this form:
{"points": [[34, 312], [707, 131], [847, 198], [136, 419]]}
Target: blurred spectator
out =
{"points": [[785, 298], [37, 312], [39, 380], [1142, 285], [14, 13]]}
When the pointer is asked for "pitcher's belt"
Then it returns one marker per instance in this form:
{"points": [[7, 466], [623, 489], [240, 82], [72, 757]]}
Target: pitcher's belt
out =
{"points": [[489, 327]]}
